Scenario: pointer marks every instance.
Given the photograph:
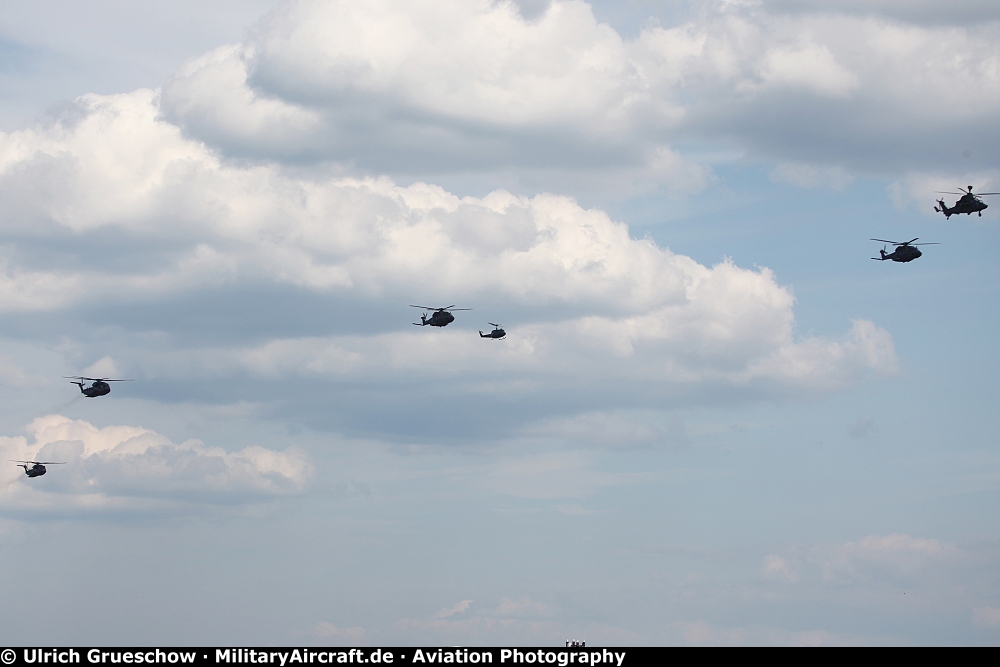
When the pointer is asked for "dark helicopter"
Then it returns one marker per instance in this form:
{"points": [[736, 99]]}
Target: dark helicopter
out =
{"points": [[99, 388], [38, 469], [968, 204], [498, 333], [440, 317], [904, 252]]}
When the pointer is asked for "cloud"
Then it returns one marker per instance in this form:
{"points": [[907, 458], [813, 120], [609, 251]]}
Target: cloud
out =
{"points": [[895, 557], [811, 67], [446, 86], [421, 87], [927, 12], [457, 608], [104, 367], [623, 308], [132, 469], [778, 568]]}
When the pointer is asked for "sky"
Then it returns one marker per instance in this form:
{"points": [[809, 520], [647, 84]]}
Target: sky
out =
{"points": [[714, 420]]}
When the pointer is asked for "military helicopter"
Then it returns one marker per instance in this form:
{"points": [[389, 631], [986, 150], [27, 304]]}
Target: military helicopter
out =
{"points": [[968, 204], [99, 388], [904, 252], [498, 333], [38, 469], [440, 317]]}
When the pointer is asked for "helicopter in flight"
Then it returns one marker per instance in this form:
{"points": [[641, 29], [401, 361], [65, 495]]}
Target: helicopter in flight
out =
{"points": [[38, 467], [904, 252], [968, 204], [99, 388], [440, 317], [497, 334]]}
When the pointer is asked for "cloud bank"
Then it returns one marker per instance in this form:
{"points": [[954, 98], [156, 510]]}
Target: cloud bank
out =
{"points": [[426, 87], [626, 310]]}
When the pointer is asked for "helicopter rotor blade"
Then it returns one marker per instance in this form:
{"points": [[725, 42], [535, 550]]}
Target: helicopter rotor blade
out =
{"points": [[493, 324], [925, 244], [451, 307], [943, 192], [984, 194], [44, 463], [80, 377], [885, 241]]}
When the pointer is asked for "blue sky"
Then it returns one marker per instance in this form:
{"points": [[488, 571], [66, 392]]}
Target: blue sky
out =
{"points": [[714, 420]]}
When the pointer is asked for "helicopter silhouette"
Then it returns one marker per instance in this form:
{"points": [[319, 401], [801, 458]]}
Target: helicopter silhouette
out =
{"points": [[440, 317], [904, 252], [498, 333], [968, 204], [38, 469], [99, 388]]}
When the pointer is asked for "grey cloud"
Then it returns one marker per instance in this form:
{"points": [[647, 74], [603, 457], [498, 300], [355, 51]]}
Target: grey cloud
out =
{"points": [[961, 13]]}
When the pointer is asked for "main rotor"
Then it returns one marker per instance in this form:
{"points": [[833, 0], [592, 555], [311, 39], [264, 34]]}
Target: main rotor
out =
{"points": [[900, 244], [962, 191], [440, 310]]}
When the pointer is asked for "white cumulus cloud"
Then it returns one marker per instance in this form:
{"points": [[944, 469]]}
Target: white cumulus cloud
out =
{"points": [[128, 468], [629, 309]]}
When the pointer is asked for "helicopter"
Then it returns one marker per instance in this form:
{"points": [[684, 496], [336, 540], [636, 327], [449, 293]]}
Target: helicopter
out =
{"points": [[440, 317], [904, 252], [968, 204], [99, 388], [38, 469], [498, 333]]}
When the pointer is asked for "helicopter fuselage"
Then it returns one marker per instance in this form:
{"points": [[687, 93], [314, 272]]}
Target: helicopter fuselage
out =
{"points": [[968, 204], [99, 388], [36, 470], [439, 318], [496, 333], [904, 253]]}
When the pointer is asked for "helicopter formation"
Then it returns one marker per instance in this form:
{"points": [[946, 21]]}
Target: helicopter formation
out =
{"points": [[903, 251], [969, 203], [439, 317]]}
